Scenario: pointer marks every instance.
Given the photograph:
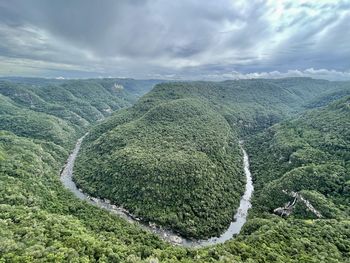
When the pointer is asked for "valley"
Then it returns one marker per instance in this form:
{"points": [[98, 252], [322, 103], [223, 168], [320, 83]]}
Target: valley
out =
{"points": [[170, 154], [235, 226], [177, 149], [175, 131]]}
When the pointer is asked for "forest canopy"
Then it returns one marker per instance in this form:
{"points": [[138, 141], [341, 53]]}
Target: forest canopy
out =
{"points": [[188, 126]]}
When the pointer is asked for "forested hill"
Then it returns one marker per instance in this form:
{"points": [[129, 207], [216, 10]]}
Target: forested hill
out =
{"points": [[186, 126], [61, 110], [309, 154], [176, 149], [41, 221], [250, 104]]}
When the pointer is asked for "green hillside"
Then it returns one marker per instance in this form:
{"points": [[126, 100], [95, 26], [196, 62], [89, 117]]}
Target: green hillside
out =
{"points": [[78, 101], [41, 221], [309, 154], [178, 165], [249, 105], [38, 125], [61, 111], [176, 150]]}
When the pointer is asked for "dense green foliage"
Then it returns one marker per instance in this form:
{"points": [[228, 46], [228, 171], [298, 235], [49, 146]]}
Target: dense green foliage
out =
{"points": [[176, 150], [178, 164], [77, 101], [249, 105], [311, 154], [60, 111], [40, 221], [38, 125]]}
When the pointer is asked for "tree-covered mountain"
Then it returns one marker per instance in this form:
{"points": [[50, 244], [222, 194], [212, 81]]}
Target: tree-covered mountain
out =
{"points": [[41, 221], [176, 150], [60, 111], [309, 154], [179, 164], [253, 104]]}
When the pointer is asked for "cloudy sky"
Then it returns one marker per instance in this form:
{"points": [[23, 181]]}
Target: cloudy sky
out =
{"points": [[186, 39]]}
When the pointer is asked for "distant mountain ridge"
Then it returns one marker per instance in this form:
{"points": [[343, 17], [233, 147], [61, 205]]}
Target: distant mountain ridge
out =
{"points": [[64, 107]]}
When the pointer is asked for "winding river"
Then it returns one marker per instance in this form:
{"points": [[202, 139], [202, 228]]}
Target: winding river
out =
{"points": [[235, 227]]}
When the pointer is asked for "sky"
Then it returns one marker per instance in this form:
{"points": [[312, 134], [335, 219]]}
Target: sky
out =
{"points": [[182, 39]]}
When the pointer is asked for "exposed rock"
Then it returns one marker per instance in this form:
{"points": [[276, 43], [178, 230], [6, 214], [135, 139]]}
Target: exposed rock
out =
{"points": [[175, 239], [287, 209]]}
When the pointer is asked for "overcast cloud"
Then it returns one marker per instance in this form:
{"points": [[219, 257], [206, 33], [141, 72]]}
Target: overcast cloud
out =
{"points": [[182, 39]]}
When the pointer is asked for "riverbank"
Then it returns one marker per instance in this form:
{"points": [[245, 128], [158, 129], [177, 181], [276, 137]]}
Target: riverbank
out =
{"points": [[235, 227]]}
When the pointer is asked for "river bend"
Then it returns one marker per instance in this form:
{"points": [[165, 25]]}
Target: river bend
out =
{"points": [[235, 227]]}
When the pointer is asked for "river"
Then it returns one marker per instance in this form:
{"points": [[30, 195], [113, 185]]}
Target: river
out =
{"points": [[235, 227]]}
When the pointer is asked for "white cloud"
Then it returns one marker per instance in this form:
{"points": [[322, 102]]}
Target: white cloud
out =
{"points": [[185, 38], [310, 72]]}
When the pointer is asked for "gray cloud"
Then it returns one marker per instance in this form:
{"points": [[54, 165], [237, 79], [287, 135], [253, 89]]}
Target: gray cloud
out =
{"points": [[182, 39]]}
